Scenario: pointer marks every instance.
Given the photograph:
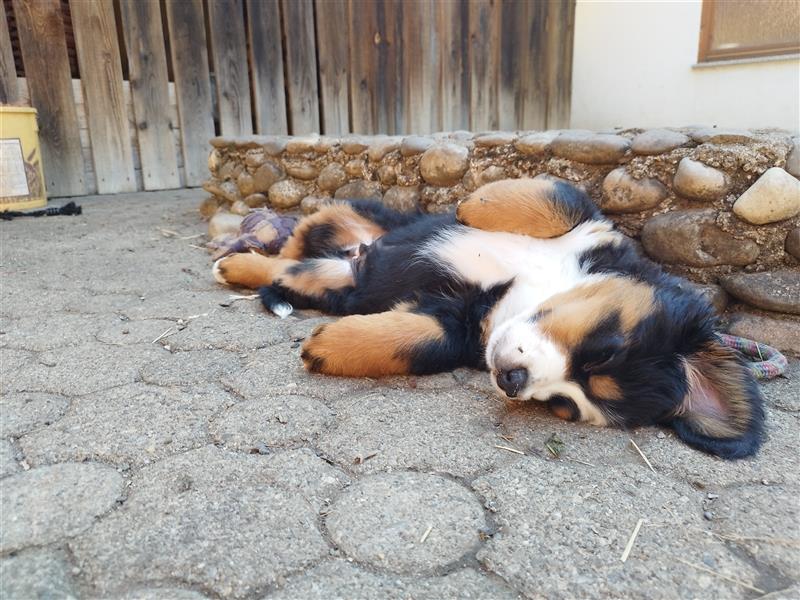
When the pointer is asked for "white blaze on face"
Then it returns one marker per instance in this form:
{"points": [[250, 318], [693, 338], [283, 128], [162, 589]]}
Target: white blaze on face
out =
{"points": [[519, 343]]}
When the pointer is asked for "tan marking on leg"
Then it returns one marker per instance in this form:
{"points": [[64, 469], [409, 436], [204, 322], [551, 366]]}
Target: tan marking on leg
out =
{"points": [[319, 275], [604, 387], [369, 345], [350, 230], [522, 206], [250, 270], [570, 316]]}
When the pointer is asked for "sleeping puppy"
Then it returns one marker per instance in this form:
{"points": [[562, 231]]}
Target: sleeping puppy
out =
{"points": [[528, 281]]}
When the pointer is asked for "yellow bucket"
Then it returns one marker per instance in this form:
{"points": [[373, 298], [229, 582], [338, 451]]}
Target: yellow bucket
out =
{"points": [[21, 176]]}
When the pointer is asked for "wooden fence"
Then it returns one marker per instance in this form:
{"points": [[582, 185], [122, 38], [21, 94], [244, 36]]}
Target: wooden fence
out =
{"points": [[129, 91]]}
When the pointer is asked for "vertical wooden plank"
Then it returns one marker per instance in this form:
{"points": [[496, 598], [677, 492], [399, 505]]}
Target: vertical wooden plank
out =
{"points": [[229, 56], [192, 85], [332, 48], [9, 91], [484, 64], [454, 31], [266, 66], [421, 57], [101, 76], [560, 32], [364, 37], [389, 97], [513, 64], [147, 62], [301, 66], [44, 53], [534, 114]]}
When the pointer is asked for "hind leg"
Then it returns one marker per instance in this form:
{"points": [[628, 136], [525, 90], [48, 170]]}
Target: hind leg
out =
{"points": [[537, 208]]}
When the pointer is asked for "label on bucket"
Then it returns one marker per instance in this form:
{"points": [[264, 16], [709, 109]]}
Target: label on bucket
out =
{"points": [[13, 181]]}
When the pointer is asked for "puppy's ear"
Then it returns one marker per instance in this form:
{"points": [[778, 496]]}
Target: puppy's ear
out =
{"points": [[722, 412]]}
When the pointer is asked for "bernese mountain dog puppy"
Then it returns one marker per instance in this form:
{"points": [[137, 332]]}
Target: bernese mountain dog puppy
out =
{"points": [[527, 280]]}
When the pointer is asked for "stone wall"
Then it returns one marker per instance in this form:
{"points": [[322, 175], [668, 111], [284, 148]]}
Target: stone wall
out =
{"points": [[721, 207]]}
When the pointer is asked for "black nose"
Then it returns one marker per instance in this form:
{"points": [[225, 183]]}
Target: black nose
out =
{"points": [[511, 382]]}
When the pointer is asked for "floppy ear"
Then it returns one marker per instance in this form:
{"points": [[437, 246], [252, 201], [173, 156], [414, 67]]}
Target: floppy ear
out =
{"points": [[722, 412]]}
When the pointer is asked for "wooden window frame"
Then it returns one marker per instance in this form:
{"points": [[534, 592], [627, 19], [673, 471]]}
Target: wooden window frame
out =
{"points": [[706, 54]]}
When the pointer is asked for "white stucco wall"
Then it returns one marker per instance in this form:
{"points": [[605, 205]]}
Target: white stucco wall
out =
{"points": [[633, 67]]}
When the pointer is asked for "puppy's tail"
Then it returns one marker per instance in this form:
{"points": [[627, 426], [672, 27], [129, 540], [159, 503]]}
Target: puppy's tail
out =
{"points": [[273, 301]]}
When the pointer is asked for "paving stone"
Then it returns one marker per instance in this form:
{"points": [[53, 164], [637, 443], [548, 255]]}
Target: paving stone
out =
{"points": [[535, 143], [692, 237], [622, 193], [380, 146], [271, 421], [160, 593], [8, 458], [187, 368], [444, 164], [774, 196], [792, 244], [210, 467], [83, 369], [382, 520], [782, 334], [402, 198], [590, 148], [133, 424], [21, 412], [775, 290], [286, 194], [770, 539], [671, 456], [124, 333], [410, 429], [697, 181], [713, 135], [658, 141], [266, 176], [180, 304], [279, 370], [247, 328], [28, 333], [245, 529], [332, 177], [340, 579], [560, 527], [359, 190], [47, 504], [40, 573], [415, 144]]}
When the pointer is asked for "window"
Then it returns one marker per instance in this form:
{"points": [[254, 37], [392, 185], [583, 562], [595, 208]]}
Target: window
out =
{"points": [[731, 29]]}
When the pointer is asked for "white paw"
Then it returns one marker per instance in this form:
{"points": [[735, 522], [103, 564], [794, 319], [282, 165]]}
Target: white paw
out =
{"points": [[217, 272], [282, 309]]}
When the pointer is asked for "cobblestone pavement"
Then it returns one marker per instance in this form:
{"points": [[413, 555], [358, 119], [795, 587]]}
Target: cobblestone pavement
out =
{"points": [[157, 443]]}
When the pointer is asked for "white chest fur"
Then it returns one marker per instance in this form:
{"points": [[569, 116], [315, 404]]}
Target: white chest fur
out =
{"points": [[540, 268]]}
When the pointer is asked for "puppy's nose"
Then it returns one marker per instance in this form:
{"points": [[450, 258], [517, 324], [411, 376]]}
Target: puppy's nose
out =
{"points": [[512, 381]]}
